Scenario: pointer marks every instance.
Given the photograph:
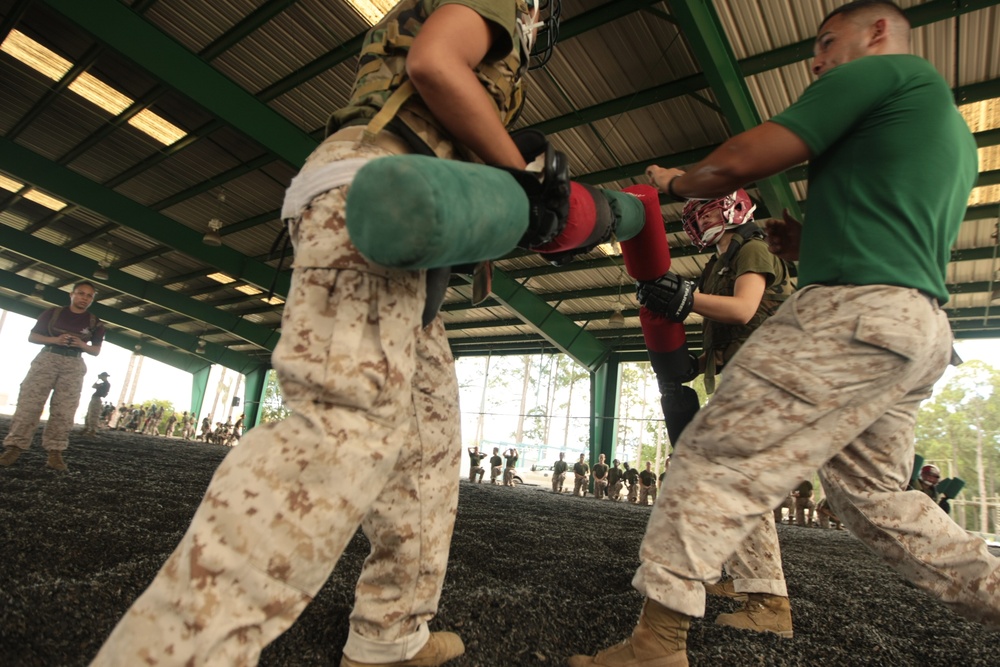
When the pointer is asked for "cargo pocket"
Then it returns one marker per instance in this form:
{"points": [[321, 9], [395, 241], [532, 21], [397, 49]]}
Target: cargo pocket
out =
{"points": [[884, 333], [789, 378]]}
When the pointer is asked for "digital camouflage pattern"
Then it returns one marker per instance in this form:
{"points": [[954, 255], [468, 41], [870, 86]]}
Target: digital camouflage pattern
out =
{"points": [[367, 387], [54, 374], [832, 381]]}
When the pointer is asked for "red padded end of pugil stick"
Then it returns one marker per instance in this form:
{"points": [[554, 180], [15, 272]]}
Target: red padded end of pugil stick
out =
{"points": [[660, 334], [579, 223], [647, 254]]}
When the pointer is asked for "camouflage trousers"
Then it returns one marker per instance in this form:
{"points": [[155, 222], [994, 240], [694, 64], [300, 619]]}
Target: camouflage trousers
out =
{"points": [[645, 492], [755, 566], [580, 486], [49, 374], [832, 381], [93, 418], [558, 481], [600, 488], [802, 507], [374, 402]]}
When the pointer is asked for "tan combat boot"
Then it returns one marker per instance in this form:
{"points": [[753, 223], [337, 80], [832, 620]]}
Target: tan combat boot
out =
{"points": [[55, 461], [439, 649], [658, 640], [9, 456], [761, 613], [725, 589]]}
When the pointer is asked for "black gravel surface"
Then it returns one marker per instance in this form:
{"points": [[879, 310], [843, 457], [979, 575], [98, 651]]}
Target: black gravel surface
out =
{"points": [[533, 577]]}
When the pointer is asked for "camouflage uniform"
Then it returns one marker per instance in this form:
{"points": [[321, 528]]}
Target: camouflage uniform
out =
{"points": [[93, 419], [840, 397], [366, 384], [559, 475], [53, 372]]}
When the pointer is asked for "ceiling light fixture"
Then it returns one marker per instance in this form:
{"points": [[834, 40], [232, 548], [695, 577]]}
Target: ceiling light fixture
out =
{"points": [[101, 272], [53, 66], [213, 238]]}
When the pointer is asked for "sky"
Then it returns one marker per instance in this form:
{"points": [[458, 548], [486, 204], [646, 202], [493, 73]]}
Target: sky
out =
{"points": [[160, 381]]}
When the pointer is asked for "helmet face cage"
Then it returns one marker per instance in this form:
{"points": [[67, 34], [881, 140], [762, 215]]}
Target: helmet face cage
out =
{"points": [[736, 208], [539, 30], [930, 474]]}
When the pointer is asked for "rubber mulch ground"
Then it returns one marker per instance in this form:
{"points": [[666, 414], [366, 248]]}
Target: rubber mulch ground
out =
{"points": [[533, 577]]}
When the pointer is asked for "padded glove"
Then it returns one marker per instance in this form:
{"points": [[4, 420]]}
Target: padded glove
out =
{"points": [[547, 191], [669, 295]]}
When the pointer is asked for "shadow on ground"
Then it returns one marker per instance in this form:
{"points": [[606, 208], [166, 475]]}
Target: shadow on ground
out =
{"points": [[533, 577]]}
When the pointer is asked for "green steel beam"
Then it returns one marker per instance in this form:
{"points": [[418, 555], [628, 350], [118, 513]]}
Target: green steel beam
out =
{"points": [[555, 327], [921, 15], [177, 339], [71, 186], [254, 389], [114, 24], [605, 388], [700, 24], [71, 262], [601, 16], [247, 26]]}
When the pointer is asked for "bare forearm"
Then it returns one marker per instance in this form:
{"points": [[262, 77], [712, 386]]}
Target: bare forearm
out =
{"points": [[760, 152], [462, 106], [725, 309]]}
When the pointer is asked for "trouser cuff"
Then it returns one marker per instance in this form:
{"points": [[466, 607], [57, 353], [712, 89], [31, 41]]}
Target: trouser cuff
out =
{"points": [[769, 586], [363, 649]]}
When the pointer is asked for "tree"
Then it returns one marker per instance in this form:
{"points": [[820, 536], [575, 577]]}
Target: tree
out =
{"points": [[168, 409], [273, 409], [959, 430]]}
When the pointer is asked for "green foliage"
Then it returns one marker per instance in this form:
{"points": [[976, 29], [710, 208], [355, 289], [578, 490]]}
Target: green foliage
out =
{"points": [[168, 409], [959, 430], [273, 408]]}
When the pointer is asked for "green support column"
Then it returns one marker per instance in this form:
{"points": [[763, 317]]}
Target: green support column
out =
{"points": [[199, 387], [605, 387], [253, 396]]}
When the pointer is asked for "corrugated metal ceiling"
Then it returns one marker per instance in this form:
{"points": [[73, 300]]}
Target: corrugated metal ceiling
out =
{"points": [[623, 90]]}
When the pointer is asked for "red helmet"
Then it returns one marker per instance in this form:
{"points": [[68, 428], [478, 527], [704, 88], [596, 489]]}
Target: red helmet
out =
{"points": [[930, 474], [736, 208]]}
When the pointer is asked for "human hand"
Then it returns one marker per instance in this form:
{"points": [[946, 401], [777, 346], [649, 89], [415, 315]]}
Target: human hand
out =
{"points": [[669, 295], [784, 236], [660, 177]]}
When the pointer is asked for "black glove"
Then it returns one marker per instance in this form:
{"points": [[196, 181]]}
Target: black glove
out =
{"points": [[669, 295], [548, 191]]}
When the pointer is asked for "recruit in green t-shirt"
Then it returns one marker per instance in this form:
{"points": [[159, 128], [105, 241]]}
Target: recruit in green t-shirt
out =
{"points": [[892, 168]]}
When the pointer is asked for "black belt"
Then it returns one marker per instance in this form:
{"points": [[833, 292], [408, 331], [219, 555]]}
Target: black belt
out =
{"points": [[63, 351]]}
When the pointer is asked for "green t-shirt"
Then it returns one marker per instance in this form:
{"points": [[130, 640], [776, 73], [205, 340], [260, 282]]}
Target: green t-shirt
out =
{"points": [[601, 470], [889, 182]]}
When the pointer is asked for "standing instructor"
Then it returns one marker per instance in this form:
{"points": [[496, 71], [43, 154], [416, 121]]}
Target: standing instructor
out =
{"points": [[834, 379], [65, 334]]}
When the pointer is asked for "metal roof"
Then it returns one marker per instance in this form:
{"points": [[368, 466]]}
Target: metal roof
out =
{"points": [[250, 83]]}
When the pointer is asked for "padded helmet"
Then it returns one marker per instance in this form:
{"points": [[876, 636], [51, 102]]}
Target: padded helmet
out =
{"points": [[930, 474], [736, 208], [538, 29]]}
